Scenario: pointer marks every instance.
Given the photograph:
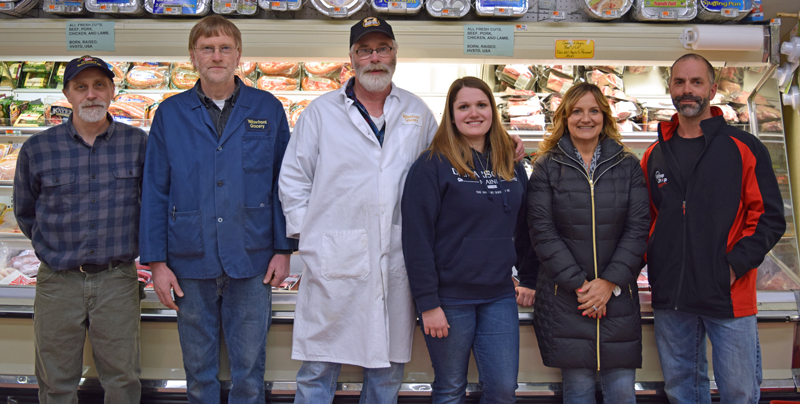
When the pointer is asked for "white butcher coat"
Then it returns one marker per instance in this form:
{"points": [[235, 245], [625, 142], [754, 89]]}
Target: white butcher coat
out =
{"points": [[341, 193]]}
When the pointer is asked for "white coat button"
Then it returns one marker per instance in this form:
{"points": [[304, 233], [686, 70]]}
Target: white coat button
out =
{"points": [[219, 220]]}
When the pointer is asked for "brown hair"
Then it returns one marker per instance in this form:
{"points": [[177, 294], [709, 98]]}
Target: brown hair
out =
{"points": [[448, 142], [559, 126], [214, 25]]}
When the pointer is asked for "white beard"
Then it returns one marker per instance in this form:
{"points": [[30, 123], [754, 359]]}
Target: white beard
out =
{"points": [[375, 82], [92, 115]]}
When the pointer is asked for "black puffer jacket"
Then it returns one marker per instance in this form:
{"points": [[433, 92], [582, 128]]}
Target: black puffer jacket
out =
{"points": [[561, 220]]}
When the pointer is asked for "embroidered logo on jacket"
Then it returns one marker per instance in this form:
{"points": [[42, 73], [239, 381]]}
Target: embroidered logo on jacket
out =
{"points": [[259, 125], [661, 179]]}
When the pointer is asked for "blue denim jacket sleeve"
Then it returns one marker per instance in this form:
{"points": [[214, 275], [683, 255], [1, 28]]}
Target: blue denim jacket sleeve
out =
{"points": [[280, 241], [155, 192]]}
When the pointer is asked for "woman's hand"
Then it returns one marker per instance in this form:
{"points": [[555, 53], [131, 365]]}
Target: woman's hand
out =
{"points": [[435, 323], [525, 296], [594, 295]]}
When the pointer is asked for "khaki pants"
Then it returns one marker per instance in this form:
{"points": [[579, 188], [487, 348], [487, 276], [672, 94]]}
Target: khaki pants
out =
{"points": [[67, 304]]}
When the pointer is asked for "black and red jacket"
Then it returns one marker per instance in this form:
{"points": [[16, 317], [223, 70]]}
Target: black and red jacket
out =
{"points": [[729, 213]]}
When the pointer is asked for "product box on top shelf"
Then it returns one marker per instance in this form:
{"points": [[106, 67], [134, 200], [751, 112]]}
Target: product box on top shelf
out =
{"points": [[501, 8], [178, 8], [338, 8], [281, 5], [397, 6], [721, 11], [64, 7], [241, 7], [447, 8], [605, 10], [664, 10], [119, 7]]}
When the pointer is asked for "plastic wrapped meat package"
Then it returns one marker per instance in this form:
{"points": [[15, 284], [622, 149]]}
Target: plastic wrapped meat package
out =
{"points": [[117, 7], [18, 267], [178, 8], [147, 77], [120, 69], [638, 69], [129, 112], [346, 73], [605, 10], [601, 78], [183, 76], [58, 112], [247, 73], [277, 83], [523, 113], [656, 10], [763, 113], [771, 277], [555, 82], [319, 83], [295, 110]]}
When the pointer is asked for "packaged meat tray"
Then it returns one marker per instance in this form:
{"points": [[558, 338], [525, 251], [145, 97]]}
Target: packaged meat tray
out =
{"points": [[501, 8], [64, 7], [131, 113], [178, 8], [286, 69], [240, 7], [338, 8], [397, 6], [346, 73], [141, 77], [57, 112], [664, 10], [721, 11], [322, 69], [121, 7], [319, 83], [277, 83], [183, 78], [605, 10], [17, 8], [447, 8], [290, 5]]}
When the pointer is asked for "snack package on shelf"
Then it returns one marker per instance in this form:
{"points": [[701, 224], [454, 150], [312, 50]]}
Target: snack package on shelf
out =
{"points": [[183, 76], [501, 8], [277, 83], [8, 165], [57, 112], [285, 69], [36, 74], [131, 113], [319, 83], [147, 78], [32, 116]]}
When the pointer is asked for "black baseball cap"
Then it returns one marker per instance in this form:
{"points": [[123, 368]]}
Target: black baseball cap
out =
{"points": [[82, 63], [367, 25]]}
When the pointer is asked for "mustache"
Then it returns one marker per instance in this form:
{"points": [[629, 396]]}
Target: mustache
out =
{"points": [[688, 97], [380, 67], [96, 103]]}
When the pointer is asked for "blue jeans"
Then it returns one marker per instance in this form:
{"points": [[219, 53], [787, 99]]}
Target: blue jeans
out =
{"points": [[242, 309], [681, 341], [491, 332], [617, 385], [316, 383]]}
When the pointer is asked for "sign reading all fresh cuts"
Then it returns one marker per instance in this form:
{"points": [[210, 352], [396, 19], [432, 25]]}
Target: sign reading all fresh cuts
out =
{"points": [[90, 36], [485, 40]]}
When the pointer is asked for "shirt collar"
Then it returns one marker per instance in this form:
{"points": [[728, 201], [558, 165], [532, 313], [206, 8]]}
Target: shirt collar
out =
{"points": [[208, 101], [105, 135]]}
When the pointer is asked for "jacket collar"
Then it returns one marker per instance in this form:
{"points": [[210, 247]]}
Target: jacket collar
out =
{"points": [[245, 98], [341, 93], [709, 126]]}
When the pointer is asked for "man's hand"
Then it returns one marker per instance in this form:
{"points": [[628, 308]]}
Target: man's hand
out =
{"points": [[733, 275], [435, 323], [594, 295], [278, 269], [520, 149], [525, 296], [163, 282]]}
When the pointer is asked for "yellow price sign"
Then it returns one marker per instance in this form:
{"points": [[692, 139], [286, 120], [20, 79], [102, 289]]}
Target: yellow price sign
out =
{"points": [[574, 49]]}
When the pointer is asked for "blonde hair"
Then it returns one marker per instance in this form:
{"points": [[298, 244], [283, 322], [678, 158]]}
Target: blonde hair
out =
{"points": [[214, 25], [450, 143], [560, 117]]}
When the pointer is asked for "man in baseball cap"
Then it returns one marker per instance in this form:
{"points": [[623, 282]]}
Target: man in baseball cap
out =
{"points": [[76, 197]]}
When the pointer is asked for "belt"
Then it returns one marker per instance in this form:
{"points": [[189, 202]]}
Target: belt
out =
{"points": [[93, 269]]}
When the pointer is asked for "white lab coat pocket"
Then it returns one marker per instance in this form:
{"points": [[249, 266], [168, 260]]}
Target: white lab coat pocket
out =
{"points": [[345, 254], [397, 264]]}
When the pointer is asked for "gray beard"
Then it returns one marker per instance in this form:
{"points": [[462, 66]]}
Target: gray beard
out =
{"points": [[691, 111], [92, 115], [372, 82]]}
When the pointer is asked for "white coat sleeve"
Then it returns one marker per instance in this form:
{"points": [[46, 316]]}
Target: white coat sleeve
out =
{"points": [[297, 170]]}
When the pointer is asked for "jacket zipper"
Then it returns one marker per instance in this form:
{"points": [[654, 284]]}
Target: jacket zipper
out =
{"points": [[630, 291], [683, 255], [592, 182], [556, 292]]}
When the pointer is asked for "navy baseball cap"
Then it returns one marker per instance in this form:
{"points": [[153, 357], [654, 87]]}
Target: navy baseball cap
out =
{"points": [[367, 25], [82, 63]]}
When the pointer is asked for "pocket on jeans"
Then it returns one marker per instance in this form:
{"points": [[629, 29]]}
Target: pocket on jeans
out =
{"points": [[45, 274], [185, 235], [345, 254]]}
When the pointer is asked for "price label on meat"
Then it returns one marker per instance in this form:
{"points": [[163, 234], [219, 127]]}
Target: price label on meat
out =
{"points": [[574, 49], [7, 6], [90, 36], [484, 40]]}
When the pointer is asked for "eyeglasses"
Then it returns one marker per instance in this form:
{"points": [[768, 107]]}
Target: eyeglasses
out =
{"points": [[210, 50], [365, 53]]}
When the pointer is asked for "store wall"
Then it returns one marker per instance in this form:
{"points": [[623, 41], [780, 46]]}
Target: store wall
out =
{"points": [[791, 125]]}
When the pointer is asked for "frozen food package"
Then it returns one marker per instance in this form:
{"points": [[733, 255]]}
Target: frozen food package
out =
{"points": [[638, 69], [277, 83], [605, 10], [183, 78], [319, 83], [281, 5], [131, 113], [346, 73], [286, 69], [397, 6], [57, 112], [141, 77], [447, 8], [178, 8], [240, 7], [664, 10], [118, 7], [338, 8], [721, 11], [64, 7], [326, 69], [502, 8]]}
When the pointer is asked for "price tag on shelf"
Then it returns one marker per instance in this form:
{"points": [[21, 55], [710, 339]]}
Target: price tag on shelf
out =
{"points": [[279, 5], [55, 8], [173, 10], [611, 13], [450, 12], [338, 11], [13, 132], [398, 7], [729, 12], [108, 8], [521, 27], [227, 7], [557, 15], [502, 11], [7, 6], [667, 15]]}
